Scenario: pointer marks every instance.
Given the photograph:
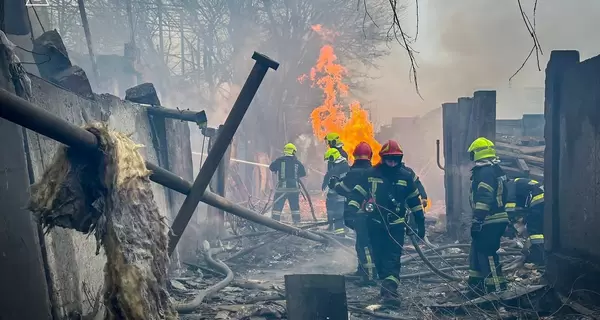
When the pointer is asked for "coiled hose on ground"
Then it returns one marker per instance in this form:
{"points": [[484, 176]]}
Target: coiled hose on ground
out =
{"points": [[188, 307]]}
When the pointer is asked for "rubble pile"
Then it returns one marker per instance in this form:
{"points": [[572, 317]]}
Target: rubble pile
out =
{"points": [[261, 260]]}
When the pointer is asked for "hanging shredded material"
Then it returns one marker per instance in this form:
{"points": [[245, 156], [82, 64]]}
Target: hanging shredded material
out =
{"points": [[109, 194]]}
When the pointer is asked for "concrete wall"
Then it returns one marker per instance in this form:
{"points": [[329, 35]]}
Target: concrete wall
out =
{"points": [[76, 271], [573, 164]]}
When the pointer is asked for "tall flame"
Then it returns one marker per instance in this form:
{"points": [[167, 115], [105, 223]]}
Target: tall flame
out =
{"points": [[352, 122]]}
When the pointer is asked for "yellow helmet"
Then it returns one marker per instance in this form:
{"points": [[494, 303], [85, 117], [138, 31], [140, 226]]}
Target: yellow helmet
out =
{"points": [[333, 139], [482, 148], [289, 149], [332, 154]]}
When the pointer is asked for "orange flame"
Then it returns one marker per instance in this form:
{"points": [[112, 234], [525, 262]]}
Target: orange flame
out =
{"points": [[331, 115]]}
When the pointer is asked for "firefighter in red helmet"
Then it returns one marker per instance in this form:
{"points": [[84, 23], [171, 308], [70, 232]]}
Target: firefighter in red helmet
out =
{"points": [[357, 221], [384, 193]]}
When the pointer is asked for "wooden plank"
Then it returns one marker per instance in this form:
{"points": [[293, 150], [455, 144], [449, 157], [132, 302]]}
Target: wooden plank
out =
{"points": [[507, 154], [316, 297], [448, 117], [520, 149]]}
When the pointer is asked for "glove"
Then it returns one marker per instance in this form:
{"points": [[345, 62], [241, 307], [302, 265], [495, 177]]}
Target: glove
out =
{"points": [[424, 203], [332, 182], [476, 226], [323, 186]]}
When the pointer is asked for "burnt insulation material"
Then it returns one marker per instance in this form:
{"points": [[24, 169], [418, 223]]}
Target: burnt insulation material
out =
{"points": [[109, 194]]}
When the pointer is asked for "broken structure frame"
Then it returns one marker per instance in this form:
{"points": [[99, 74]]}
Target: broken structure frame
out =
{"points": [[32, 117]]}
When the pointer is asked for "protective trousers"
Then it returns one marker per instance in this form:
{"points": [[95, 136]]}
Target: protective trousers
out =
{"points": [[366, 262], [293, 198], [335, 214], [387, 241], [534, 221], [485, 274]]}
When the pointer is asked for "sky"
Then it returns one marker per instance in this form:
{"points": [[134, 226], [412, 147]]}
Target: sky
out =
{"points": [[469, 45]]}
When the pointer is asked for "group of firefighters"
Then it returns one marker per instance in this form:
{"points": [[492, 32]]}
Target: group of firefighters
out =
{"points": [[375, 202]]}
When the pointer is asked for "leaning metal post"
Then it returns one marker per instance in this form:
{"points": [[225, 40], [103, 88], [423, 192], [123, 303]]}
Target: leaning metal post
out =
{"points": [[222, 142], [24, 113]]}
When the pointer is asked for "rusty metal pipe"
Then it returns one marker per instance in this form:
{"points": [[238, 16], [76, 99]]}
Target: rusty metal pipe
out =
{"points": [[437, 148], [26, 114], [222, 142], [185, 115]]}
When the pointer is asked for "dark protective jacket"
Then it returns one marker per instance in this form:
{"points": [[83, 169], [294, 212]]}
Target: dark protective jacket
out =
{"points": [[392, 190], [352, 178], [524, 194], [417, 182], [488, 192], [289, 169], [338, 168]]}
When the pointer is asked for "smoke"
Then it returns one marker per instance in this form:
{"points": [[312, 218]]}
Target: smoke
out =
{"points": [[466, 45]]}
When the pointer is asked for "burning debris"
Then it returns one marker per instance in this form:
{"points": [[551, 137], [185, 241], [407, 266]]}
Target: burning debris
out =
{"points": [[109, 194]]}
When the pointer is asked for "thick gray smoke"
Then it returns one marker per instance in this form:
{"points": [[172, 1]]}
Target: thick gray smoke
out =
{"points": [[467, 45]]}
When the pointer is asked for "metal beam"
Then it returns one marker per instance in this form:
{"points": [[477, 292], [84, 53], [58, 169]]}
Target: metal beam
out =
{"points": [[221, 143]]}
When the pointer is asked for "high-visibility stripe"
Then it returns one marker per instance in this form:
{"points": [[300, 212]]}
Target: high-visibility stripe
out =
{"points": [[416, 208], [402, 183], [361, 190], [495, 278], [537, 199], [371, 179], [369, 265], [413, 194], [397, 221], [485, 186], [536, 237], [501, 217], [475, 274], [511, 205], [392, 278], [354, 204], [339, 231], [482, 206], [500, 193], [343, 186], [533, 182]]}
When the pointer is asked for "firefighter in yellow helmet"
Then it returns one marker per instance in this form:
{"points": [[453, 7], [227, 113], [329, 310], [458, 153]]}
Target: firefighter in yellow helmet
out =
{"points": [[487, 197], [334, 141], [289, 169], [526, 200], [337, 167]]}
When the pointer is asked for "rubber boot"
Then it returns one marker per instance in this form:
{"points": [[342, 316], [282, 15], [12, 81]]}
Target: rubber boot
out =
{"points": [[276, 216], [389, 293], [476, 288], [296, 218]]}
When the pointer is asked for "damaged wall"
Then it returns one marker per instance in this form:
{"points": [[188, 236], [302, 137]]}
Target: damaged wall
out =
{"points": [[572, 161], [77, 273]]}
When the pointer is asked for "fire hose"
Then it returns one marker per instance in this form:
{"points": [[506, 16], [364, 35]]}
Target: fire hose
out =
{"points": [[304, 193], [188, 307]]}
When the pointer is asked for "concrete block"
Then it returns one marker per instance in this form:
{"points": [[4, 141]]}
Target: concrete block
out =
{"points": [[52, 56], [144, 93], [74, 79]]}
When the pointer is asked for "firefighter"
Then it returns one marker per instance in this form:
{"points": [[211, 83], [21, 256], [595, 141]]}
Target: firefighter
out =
{"points": [[334, 141], [383, 193], [337, 166], [526, 200], [289, 169], [357, 222], [487, 197], [422, 193]]}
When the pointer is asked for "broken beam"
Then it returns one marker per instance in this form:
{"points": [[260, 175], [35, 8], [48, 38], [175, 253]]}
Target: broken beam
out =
{"points": [[219, 148], [185, 115], [25, 114]]}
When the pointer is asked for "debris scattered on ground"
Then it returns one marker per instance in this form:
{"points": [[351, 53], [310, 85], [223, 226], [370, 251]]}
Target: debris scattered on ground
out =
{"points": [[109, 194]]}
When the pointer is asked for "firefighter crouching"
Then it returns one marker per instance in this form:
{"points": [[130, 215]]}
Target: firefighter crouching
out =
{"points": [[526, 200], [383, 193], [337, 166], [488, 195], [289, 169], [358, 221]]}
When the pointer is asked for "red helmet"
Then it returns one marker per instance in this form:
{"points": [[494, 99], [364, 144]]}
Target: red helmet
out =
{"points": [[391, 148], [363, 151]]}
